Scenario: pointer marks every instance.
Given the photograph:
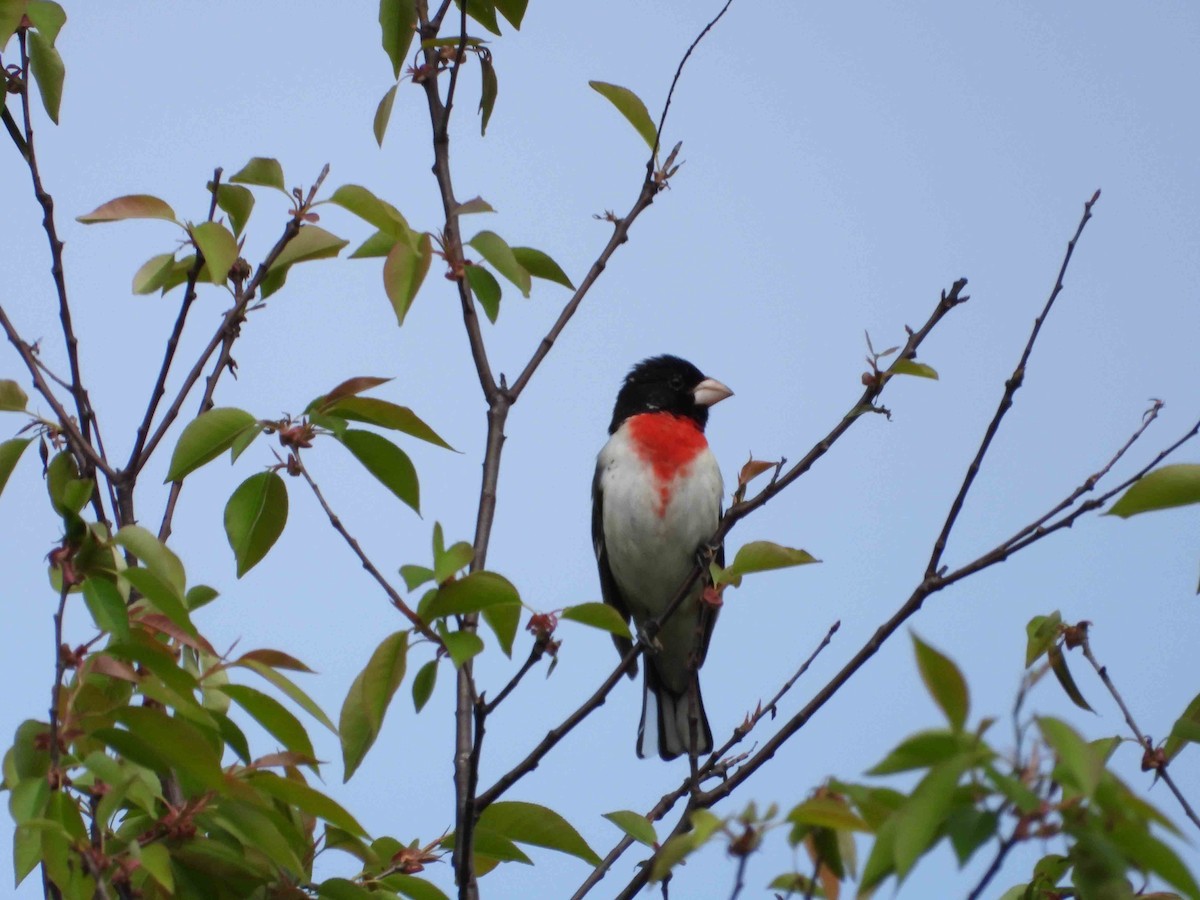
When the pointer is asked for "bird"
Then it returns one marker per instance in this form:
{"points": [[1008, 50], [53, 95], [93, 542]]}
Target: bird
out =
{"points": [[656, 501]]}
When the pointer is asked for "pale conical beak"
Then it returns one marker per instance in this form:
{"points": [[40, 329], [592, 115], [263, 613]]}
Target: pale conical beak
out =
{"points": [[710, 391]]}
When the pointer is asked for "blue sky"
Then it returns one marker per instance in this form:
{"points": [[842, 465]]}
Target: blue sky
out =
{"points": [[843, 164]]}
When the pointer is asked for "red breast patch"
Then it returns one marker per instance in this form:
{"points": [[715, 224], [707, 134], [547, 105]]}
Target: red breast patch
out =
{"points": [[668, 443]]}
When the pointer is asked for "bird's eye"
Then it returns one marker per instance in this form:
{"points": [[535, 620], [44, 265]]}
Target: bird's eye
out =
{"points": [[676, 382]]}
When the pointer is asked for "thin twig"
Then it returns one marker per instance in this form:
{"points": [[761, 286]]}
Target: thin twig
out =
{"points": [[65, 421], [739, 879], [997, 861], [59, 670], [1010, 388], [812, 881], [536, 652], [662, 119], [1147, 744], [392, 593]]}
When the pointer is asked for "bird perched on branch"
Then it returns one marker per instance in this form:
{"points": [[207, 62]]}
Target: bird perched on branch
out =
{"points": [[656, 500]]}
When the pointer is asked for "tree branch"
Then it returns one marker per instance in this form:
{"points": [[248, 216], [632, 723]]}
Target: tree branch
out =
{"points": [[397, 601], [1160, 763], [1010, 388]]}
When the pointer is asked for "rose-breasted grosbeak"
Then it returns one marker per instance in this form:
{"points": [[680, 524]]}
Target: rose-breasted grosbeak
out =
{"points": [[656, 499]]}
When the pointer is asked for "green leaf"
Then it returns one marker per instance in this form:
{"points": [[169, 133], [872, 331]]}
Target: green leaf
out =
{"points": [[47, 17], [163, 742], [273, 716], [107, 606], [1042, 632], [486, 289], [944, 682], [288, 687], [423, 684], [462, 646], [254, 518], [311, 243], [131, 206], [1177, 485], [361, 202], [488, 92], [415, 576], [496, 251], [219, 247], [178, 273], [12, 398], [920, 751], [635, 825], [529, 823], [383, 113], [1058, 664], [539, 265], [205, 438], [385, 414], [387, 462], [1080, 766], [631, 107], [503, 619], [368, 699], [348, 388], [68, 492], [261, 170], [483, 12], [199, 595], [598, 615], [237, 202], [404, 271], [378, 244], [912, 367], [10, 453], [762, 556], [474, 205], [153, 273], [476, 592], [918, 821], [161, 595], [448, 562], [513, 10], [1185, 729], [969, 828], [48, 70], [154, 554], [155, 858], [1149, 854], [827, 812], [397, 24], [341, 888]]}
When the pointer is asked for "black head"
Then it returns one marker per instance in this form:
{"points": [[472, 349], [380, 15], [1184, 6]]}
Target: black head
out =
{"points": [[667, 384]]}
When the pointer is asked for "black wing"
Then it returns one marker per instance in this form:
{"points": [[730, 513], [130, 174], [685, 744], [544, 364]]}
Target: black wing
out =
{"points": [[609, 591]]}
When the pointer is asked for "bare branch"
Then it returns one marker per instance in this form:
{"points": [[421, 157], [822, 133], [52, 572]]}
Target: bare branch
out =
{"points": [[1158, 762], [1006, 844], [393, 595], [1010, 388]]}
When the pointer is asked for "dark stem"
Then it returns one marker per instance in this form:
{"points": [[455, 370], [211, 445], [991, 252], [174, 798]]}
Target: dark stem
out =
{"points": [[393, 595], [994, 868], [1010, 388], [739, 879], [1147, 744]]}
